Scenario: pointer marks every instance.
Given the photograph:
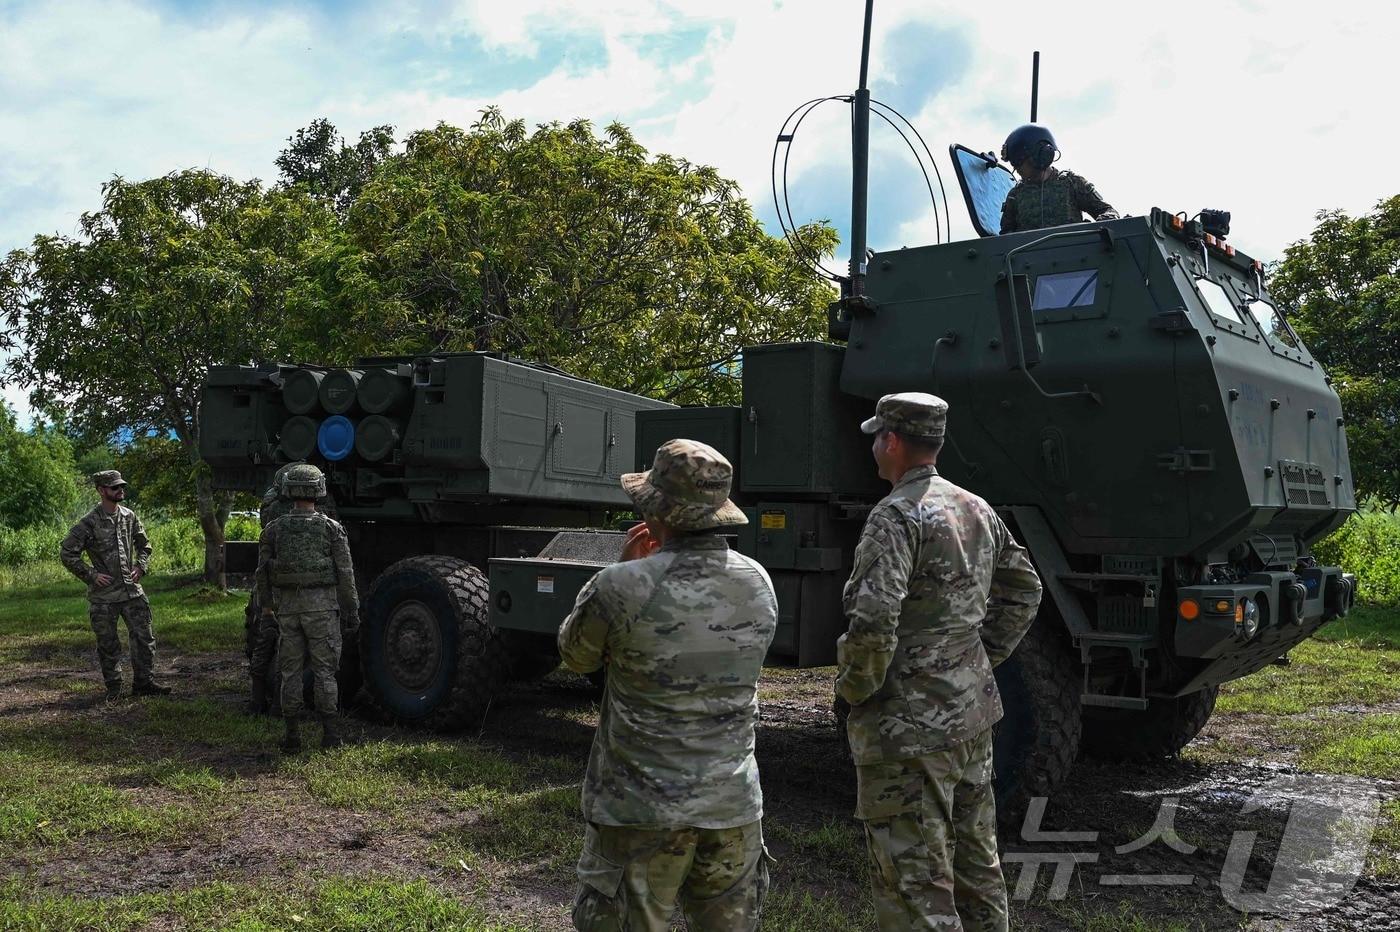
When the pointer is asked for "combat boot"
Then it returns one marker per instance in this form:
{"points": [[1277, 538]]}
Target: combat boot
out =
{"points": [[330, 731], [114, 691], [257, 702], [291, 741], [150, 688]]}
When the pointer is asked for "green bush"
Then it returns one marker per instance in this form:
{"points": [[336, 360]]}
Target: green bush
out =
{"points": [[1369, 546], [176, 543], [30, 544], [36, 474], [242, 527], [177, 546]]}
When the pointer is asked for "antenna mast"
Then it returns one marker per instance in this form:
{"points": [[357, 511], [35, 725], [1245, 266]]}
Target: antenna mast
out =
{"points": [[1035, 84], [860, 163]]}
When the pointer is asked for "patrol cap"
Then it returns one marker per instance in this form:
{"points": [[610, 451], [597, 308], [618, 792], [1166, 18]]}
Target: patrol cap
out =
{"points": [[687, 487], [913, 414], [107, 479]]}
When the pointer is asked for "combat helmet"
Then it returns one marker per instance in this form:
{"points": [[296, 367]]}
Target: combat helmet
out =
{"points": [[303, 481], [282, 474], [1031, 139]]}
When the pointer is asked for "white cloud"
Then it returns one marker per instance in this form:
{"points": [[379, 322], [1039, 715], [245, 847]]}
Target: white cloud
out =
{"points": [[1271, 110]]}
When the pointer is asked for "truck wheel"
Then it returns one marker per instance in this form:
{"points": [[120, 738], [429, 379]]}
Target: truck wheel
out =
{"points": [[1161, 730], [429, 654], [1037, 740]]}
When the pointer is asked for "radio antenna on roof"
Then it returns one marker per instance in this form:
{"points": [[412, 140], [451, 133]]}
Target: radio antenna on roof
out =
{"points": [[1035, 84]]}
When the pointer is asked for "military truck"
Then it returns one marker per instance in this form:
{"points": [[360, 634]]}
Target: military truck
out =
{"points": [[1126, 393]]}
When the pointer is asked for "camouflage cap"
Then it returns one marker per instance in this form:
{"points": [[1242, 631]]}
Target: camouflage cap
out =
{"points": [[107, 479], [914, 414], [687, 487]]}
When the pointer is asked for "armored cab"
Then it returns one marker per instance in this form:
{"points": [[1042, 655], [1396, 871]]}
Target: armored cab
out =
{"points": [[1129, 397]]}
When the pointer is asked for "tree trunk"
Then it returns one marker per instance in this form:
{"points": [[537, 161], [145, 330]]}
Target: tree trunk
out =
{"points": [[213, 528]]}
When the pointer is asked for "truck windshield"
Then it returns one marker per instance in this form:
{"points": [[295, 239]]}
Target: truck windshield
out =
{"points": [[1221, 303], [1271, 322]]}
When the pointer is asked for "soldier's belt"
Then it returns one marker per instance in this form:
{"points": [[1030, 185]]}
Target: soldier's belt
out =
{"points": [[302, 581]]}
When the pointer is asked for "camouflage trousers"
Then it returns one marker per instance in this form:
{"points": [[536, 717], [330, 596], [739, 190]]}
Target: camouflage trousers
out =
{"points": [[631, 879], [930, 828], [137, 613], [313, 637]]}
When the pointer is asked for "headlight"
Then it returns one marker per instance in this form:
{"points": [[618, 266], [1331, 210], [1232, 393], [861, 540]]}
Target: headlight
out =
{"points": [[1247, 619]]}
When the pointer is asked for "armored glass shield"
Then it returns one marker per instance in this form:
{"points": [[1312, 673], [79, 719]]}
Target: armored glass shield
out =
{"points": [[985, 182]]}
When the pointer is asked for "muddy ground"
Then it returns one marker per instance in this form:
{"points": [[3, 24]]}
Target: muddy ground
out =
{"points": [[809, 787]]}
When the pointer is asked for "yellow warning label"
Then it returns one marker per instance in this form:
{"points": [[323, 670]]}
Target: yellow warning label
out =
{"points": [[773, 520]]}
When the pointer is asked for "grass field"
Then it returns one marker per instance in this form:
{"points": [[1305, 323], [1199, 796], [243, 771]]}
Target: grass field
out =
{"points": [[180, 813]]}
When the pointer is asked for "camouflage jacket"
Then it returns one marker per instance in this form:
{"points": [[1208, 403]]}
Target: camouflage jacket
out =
{"points": [[683, 633], [115, 545], [304, 566], [1063, 197], [940, 593]]}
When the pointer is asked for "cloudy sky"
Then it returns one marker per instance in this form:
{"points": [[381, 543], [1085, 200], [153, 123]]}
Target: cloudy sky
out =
{"points": [[1272, 110]]}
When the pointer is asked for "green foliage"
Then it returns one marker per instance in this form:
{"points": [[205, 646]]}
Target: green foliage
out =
{"points": [[171, 276], [161, 475], [318, 160], [1368, 544], [32, 544], [177, 546], [580, 250], [1342, 286], [242, 527], [37, 478]]}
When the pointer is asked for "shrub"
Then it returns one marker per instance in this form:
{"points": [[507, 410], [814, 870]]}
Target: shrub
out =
{"points": [[177, 546], [1369, 546], [242, 527], [30, 544]]}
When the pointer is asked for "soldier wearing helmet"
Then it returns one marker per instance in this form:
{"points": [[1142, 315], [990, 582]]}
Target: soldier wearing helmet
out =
{"points": [[262, 628], [306, 579], [1045, 196]]}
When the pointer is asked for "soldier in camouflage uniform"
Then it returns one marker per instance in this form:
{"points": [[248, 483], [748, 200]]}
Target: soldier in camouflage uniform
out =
{"points": [[262, 627], [119, 556], [305, 577], [1045, 195], [939, 594], [671, 794]]}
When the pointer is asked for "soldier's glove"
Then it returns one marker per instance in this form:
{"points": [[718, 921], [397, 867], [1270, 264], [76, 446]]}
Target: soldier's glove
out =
{"points": [[841, 709]]}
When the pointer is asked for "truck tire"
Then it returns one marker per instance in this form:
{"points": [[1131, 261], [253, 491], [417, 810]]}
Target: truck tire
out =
{"points": [[1159, 731], [1037, 740], [429, 654]]}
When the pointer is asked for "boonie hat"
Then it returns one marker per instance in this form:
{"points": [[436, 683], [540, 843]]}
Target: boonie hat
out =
{"points": [[687, 487], [914, 414], [108, 479]]}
